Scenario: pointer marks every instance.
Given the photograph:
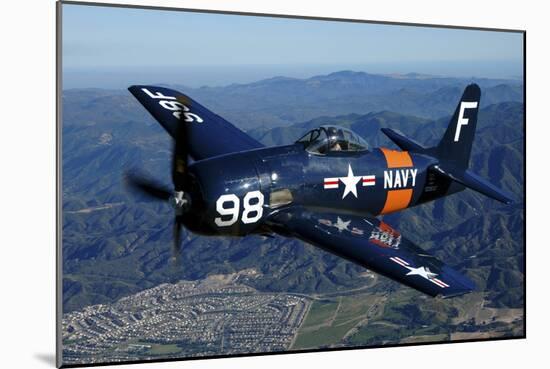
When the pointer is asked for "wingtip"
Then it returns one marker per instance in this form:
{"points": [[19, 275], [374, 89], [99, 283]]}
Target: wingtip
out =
{"points": [[506, 198], [456, 294]]}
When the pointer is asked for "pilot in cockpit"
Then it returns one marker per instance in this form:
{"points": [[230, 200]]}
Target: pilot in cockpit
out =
{"points": [[337, 141], [327, 139]]}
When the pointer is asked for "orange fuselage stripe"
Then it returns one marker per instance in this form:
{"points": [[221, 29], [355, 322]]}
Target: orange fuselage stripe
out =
{"points": [[397, 159], [397, 199]]}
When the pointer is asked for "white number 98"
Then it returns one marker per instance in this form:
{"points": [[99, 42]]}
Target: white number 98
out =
{"points": [[252, 212]]}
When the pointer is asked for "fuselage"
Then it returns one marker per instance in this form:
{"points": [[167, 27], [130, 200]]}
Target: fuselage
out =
{"points": [[236, 193]]}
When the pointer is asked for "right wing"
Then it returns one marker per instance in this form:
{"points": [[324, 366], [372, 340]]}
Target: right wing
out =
{"points": [[210, 134], [374, 245]]}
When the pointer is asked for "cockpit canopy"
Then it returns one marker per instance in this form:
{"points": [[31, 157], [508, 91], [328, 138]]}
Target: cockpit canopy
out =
{"points": [[332, 138]]}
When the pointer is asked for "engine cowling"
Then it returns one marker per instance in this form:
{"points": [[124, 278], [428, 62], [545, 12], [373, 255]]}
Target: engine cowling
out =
{"points": [[232, 196]]}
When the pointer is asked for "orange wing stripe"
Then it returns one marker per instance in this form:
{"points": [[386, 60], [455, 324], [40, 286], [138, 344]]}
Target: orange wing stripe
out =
{"points": [[397, 200], [397, 159]]}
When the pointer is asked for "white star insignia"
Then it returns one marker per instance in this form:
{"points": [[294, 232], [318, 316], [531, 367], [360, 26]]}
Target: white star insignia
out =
{"points": [[341, 225], [350, 182], [421, 271]]}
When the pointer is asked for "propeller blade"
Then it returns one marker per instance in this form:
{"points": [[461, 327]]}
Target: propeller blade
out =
{"points": [[177, 239], [147, 186], [181, 153]]}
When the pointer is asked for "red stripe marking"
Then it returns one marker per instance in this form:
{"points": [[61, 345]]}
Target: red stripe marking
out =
{"points": [[398, 261], [401, 260], [378, 242], [437, 283], [440, 281]]}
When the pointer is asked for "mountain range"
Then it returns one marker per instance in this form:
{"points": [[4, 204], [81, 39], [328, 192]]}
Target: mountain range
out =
{"points": [[115, 245], [282, 101]]}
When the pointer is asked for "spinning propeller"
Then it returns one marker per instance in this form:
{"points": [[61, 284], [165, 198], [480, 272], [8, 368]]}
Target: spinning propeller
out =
{"points": [[178, 198]]}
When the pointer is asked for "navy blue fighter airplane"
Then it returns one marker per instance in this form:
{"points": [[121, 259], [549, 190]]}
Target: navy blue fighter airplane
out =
{"points": [[326, 189]]}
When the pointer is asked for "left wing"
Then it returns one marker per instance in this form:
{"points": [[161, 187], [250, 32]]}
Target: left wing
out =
{"points": [[210, 135], [374, 245]]}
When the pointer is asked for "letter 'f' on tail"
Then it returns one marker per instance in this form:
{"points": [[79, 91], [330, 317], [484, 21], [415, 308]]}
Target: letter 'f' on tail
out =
{"points": [[456, 145]]}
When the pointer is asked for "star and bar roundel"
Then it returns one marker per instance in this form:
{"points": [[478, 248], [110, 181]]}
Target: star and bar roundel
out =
{"points": [[350, 182], [399, 180]]}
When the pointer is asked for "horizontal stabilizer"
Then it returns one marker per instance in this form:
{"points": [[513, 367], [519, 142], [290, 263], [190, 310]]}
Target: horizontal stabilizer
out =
{"points": [[476, 183], [403, 142]]}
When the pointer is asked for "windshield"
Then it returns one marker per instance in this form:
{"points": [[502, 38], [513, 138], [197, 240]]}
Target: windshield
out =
{"points": [[332, 138]]}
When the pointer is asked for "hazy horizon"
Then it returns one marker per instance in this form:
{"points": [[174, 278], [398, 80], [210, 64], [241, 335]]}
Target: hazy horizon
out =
{"points": [[210, 76], [115, 47]]}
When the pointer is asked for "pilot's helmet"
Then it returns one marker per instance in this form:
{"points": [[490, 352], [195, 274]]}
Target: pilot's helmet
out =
{"points": [[334, 133], [336, 139]]}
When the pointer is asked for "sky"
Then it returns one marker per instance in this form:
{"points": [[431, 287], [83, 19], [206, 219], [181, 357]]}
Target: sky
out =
{"points": [[108, 46]]}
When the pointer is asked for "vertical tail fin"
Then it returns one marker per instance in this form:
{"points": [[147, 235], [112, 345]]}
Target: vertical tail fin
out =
{"points": [[456, 145]]}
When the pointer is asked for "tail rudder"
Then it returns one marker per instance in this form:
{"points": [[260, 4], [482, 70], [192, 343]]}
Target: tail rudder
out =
{"points": [[454, 149], [456, 145]]}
